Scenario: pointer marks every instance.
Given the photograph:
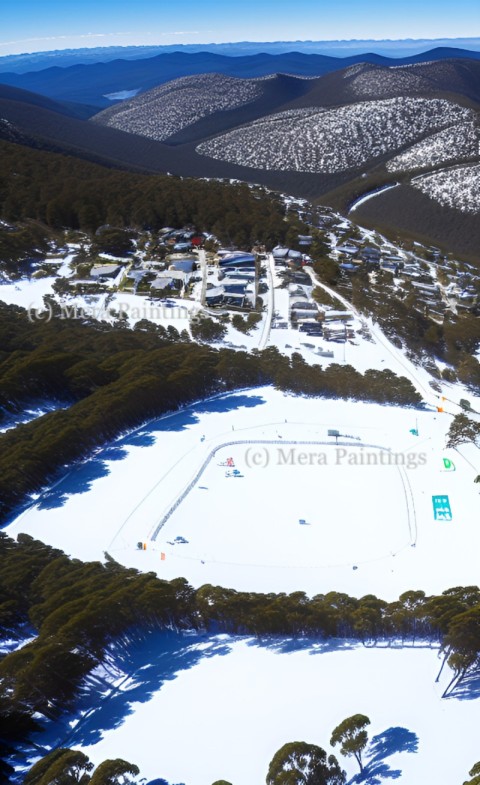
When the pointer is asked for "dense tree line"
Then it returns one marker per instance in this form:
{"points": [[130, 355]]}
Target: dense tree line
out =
{"points": [[65, 192], [114, 380], [21, 243], [79, 612]]}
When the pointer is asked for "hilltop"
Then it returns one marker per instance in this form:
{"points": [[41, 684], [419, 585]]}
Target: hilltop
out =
{"points": [[335, 138]]}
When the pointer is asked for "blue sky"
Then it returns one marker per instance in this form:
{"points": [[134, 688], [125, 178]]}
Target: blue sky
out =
{"points": [[40, 25]]}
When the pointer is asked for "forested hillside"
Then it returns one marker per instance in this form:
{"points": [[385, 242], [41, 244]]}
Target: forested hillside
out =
{"points": [[80, 614], [114, 380], [66, 192]]}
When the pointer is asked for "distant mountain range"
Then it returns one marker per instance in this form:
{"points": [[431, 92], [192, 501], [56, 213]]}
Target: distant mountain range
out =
{"points": [[209, 125], [37, 61], [91, 84], [193, 108], [332, 138]]}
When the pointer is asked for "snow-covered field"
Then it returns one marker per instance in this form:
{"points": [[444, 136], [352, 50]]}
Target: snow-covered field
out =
{"points": [[27, 293], [307, 140], [458, 188], [224, 706], [267, 532], [244, 532]]}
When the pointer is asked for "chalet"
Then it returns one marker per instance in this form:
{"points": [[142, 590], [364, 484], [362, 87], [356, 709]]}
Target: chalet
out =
{"points": [[338, 332], [295, 256], [305, 239], [302, 278], [87, 285], [303, 304], [350, 250], [301, 309], [237, 259], [310, 326], [183, 246], [287, 255], [411, 271], [393, 267], [138, 275], [176, 275], [235, 288], [280, 254], [102, 272], [183, 265], [371, 255], [235, 298], [331, 315], [226, 251], [233, 274], [431, 290], [214, 296], [165, 282], [176, 255]]}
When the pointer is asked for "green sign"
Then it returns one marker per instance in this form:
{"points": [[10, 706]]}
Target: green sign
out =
{"points": [[448, 465], [441, 508]]}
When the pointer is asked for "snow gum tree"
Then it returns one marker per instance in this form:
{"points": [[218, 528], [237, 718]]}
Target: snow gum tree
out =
{"points": [[299, 763], [463, 430], [62, 766], [352, 737], [474, 773], [115, 772]]}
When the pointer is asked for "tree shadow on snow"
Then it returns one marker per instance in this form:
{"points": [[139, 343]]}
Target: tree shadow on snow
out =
{"points": [[467, 690], [374, 774], [391, 742], [189, 417], [292, 645], [158, 782], [142, 667], [81, 478]]}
